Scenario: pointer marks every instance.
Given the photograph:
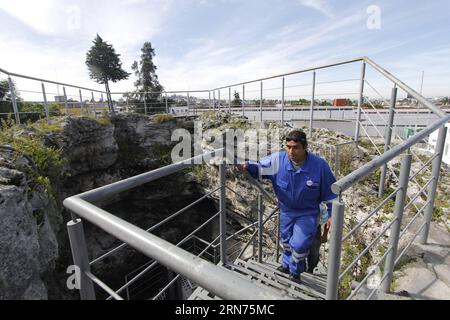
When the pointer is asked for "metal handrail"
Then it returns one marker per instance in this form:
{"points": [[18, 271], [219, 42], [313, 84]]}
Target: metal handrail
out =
{"points": [[366, 249], [216, 279], [112, 189], [48, 81], [364, 280], [152, 228], [414, 218], [256, 232], [409, 244], [406, 88], [346, 182], [155, 262], [419, 193], [292, 73], [374, 211], [219, 280], [178, 275], [424, 166]]}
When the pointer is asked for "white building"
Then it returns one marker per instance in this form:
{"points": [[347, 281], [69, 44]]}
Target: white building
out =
{"points": [[432, 141], [178, 110]]}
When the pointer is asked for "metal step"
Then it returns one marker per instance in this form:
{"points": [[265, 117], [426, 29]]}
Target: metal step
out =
{"points": [[265, 275]]}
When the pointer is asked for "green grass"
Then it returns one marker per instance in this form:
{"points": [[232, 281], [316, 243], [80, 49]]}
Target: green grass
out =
{"points": [[44, 127], [200, 173], [162, 117], [48, 160]]}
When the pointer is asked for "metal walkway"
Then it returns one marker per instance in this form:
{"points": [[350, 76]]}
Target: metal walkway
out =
{"points": [[266, 276]]}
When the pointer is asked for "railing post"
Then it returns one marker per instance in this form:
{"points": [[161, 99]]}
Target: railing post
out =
{"points": [[261, 103], [47, 115], [282, 101], [218, 97], [336, 162], [188, 101], [360, 101], [311, 114], [223, 213], [423, 238], [334, 256], [13, 99], [396, 227], [214, 100], [145, 105], [209, 99], [277, 241], [260, 225], [81, 102], [167, 104], [243, 98], [65, 101], [229, 100], [93, 104], [387, 139], [80, 258]]}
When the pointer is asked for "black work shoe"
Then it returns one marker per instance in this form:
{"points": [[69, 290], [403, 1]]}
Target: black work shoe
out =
{"points": [[294, 278], [283, 269]]}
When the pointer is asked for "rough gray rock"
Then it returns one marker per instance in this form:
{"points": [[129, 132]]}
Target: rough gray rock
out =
{"points": [[87, 145], [28, 241], [31, 221]]}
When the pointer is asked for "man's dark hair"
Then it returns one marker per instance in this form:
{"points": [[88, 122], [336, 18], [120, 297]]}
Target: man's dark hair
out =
{"points": [[297, 136]]}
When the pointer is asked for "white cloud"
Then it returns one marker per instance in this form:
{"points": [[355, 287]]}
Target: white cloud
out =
{"points": [[222, 56], [44, 16], [319, 5]]}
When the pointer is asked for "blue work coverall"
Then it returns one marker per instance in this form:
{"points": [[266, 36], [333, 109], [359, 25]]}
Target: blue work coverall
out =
{"points": [[299, 194]]}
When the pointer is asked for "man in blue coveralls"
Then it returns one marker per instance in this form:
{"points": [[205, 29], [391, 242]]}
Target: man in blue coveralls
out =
{"points": [[301, 181]]}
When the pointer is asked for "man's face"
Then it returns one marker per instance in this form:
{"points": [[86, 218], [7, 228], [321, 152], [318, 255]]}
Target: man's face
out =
{"points": [[295, 151]]}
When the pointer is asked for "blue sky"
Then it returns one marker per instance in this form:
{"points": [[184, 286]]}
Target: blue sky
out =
{"points": [[207, 43]]}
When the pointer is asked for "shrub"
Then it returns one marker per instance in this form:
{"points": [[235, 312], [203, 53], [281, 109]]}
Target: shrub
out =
{"points": [[48, 161], [162, 117]]}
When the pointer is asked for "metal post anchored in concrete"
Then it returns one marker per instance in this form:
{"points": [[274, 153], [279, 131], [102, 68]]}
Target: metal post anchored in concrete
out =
{"points": [[65, 101], [47, 114], [360, 101], [80, 258], [261, 103], [13, 99], [260, 225], [396, 227], [243, 99], [387, 140], [223, 213], [435, 172], [311, 114], [334, 256]]}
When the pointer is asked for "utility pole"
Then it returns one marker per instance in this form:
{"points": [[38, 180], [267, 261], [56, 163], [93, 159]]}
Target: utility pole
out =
{"points": [[419, 105]]}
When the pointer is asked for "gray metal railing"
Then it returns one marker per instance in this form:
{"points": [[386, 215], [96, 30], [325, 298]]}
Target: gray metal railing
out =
{"points": [[216, 279], [81, 205]]}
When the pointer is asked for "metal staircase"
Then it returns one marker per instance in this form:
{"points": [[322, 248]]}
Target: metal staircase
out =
{"points": [[265, 275]]}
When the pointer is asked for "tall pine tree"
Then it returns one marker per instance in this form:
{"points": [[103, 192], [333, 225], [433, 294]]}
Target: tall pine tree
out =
{"points": [[147, 84], [104, 65]]}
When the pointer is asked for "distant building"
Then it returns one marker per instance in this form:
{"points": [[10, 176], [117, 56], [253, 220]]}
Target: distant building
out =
{"points": [[339, 102], [178, 110], [59, 99]]}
